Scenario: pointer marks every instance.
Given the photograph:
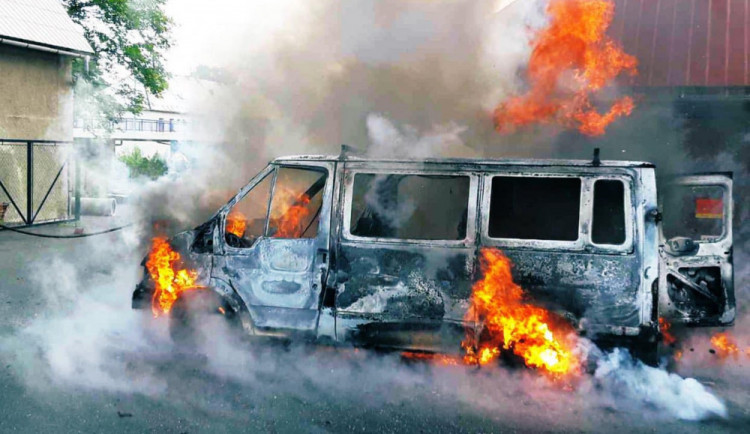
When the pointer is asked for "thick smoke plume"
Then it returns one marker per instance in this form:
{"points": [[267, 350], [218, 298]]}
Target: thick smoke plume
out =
{"points": [[306, 77]]}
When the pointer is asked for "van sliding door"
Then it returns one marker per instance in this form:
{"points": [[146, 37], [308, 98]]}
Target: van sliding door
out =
{"points": [[406, 254]]}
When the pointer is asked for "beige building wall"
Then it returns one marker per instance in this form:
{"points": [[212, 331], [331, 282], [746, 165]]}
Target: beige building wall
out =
{"points": [[36, 95], [36, 103]]}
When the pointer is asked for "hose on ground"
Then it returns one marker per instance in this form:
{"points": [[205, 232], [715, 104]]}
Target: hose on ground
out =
{"points": [[90, 234]]}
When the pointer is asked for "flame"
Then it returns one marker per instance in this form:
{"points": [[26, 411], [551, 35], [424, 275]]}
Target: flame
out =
{"points": [[571, 59], [236, 223], [169, 280], [443, 359], [725, 345], [531, 332], [664, 327], [485, 355], [293, 214]]}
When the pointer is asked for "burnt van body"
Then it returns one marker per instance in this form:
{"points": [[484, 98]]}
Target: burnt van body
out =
{"points": [[383, 253]]}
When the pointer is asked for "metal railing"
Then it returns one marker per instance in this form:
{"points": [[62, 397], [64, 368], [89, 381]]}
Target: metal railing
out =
{"points": [[135, 124], [36, 182]]}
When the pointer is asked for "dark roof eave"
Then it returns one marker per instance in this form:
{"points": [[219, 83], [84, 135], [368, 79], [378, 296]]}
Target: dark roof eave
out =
{"points": [[65, 51]]}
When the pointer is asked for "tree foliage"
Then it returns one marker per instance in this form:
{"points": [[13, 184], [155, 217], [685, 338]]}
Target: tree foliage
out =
{"points": [[129, 39], [138, 165]]}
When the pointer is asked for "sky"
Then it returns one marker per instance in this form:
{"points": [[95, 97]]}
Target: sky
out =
{"points": [[209, 35]]}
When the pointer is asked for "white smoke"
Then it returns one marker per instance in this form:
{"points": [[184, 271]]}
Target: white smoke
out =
{"points": [[311, 73], [633, 383], [386, 140]]}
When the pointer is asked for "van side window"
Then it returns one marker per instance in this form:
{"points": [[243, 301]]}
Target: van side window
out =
{"points": [[535, 208], [415, 207], [247, 219], [296, 203], [608, 226]]}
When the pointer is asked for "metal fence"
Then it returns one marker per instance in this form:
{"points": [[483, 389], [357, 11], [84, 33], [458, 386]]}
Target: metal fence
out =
{"points": [[37, 182]]}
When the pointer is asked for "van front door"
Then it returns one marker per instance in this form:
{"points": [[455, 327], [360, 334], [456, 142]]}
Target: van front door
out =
{"points": [[696, 282], [278, 271]]}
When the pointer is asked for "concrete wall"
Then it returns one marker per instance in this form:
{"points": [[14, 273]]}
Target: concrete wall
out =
{"points": [[36, 103], [36, 95]]}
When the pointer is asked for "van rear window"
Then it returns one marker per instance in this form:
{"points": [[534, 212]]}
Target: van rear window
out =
{"points": [[608, 226], [535, 208], [412, 207]]}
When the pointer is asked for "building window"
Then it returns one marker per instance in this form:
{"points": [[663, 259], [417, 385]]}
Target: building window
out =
{"points": [[413, 207], [608, 226], [535, 208]]}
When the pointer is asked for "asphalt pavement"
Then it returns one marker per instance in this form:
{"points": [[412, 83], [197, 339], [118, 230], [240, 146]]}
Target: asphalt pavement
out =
{"points": [[75, 358]]}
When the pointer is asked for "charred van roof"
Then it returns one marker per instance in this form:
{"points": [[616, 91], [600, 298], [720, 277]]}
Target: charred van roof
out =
{"points": [[468, 161]]}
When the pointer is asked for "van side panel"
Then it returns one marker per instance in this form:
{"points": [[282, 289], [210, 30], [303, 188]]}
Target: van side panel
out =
{"points": [[402, 297], [393, 293], [601, 289], [398, 283], [607, 293], [647, 243]]}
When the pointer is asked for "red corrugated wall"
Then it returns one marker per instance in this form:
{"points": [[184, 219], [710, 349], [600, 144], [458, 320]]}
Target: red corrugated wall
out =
{"points": [[686, 42]]}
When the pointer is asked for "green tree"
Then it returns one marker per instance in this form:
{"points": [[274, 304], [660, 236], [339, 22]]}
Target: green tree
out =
{"points": [[129, 39], [138, 165]]}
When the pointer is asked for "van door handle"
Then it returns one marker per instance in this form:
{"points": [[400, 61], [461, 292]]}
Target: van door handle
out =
{"points": [[322, 257]]}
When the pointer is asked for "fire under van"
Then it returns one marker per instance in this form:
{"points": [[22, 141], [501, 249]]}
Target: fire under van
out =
{"points": [[383, 253]]}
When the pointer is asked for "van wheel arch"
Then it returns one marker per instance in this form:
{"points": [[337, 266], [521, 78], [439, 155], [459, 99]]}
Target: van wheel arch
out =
{"points": [[183, 323], [229, 294]]}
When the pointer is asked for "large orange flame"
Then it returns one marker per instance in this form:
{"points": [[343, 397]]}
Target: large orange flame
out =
{"points": [[170, 281], [535, 334], [294, 214], [571, 59], [236, 223]]}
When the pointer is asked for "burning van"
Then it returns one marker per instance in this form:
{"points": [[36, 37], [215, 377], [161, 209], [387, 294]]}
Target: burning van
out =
{"points": [[384, 253]]}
